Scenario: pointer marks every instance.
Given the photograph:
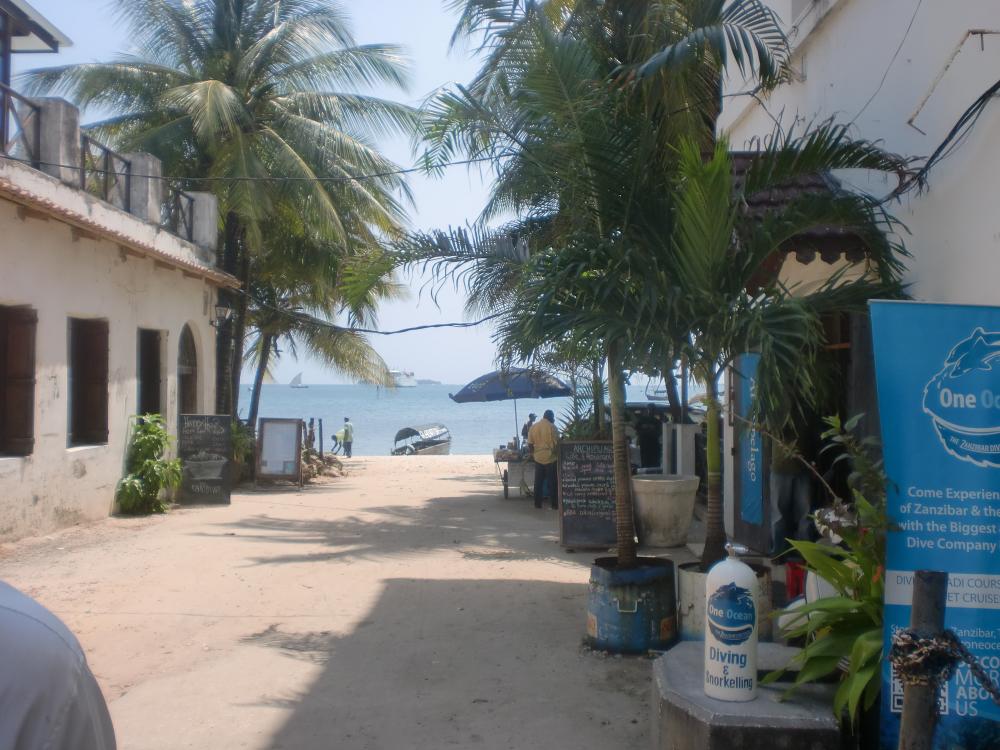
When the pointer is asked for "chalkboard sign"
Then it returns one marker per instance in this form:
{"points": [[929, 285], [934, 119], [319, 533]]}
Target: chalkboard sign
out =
{"points": [[205, 447], [279, 449], [586, 494]]}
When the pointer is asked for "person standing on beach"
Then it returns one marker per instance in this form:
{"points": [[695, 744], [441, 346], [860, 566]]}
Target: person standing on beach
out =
{"points": [[543, 439], [348, 437], [526, 428]]}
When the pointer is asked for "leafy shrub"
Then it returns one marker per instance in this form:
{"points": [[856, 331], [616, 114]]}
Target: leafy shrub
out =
{"points": [[147, 473], [845, 631]]}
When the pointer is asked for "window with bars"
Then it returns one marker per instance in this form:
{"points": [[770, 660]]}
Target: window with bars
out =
{"points": [[17, 380], [88, 381]]}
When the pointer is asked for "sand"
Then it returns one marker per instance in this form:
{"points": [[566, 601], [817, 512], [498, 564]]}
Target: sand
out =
{"points": [[405, 605]]}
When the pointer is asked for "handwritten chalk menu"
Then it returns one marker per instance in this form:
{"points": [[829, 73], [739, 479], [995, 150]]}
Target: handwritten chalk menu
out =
{"points": [[205, 447], [279, 449], [586, 494]]}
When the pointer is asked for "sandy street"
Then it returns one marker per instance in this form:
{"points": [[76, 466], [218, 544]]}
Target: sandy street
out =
{"points": [[407, 605]]}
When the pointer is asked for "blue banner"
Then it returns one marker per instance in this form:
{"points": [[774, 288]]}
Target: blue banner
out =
{"points": [[751, 467], [938, 375]]}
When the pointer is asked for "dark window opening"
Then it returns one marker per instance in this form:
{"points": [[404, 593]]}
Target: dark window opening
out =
{"points": [[17, 380], [187, 374], [149, 372], [88, 381]]}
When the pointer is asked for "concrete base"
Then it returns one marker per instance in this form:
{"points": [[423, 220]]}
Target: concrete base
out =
{"points": [[684, 718]]}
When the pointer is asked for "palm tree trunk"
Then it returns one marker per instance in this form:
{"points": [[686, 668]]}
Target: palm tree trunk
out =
{"points": [[258, 380], [715, 530], [673, 397], [624, 523], [228, 260], [239, 332], [597, 391]]}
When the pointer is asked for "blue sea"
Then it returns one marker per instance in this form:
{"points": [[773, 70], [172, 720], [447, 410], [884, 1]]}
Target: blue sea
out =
{"points": [[377, 414]]}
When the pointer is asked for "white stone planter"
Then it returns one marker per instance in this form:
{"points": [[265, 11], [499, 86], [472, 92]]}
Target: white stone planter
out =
{"points": [[664, 507]]}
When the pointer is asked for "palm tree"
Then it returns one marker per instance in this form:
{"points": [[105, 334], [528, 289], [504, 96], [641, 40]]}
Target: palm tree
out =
{"points": [[586, 165], [265, 97], [299, 287], [730, 300]]}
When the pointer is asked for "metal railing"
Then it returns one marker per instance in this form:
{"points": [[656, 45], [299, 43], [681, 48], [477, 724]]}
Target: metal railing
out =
{"points": [[105, 173], [20, 126], [177, 213]]}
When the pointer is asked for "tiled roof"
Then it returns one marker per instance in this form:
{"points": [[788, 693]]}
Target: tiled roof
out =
{"points": [[831, 243], [29, 199]]}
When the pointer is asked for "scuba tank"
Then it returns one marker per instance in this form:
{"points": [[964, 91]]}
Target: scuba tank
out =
{"points": [[731, 629]]}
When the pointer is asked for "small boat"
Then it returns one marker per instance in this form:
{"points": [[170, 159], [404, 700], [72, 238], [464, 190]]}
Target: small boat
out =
{"points": [[422, 440], [403, 379], [297, 382]]}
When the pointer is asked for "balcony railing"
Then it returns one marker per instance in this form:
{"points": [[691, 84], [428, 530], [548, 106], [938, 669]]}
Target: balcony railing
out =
{"points": [[177, 213], [105, 173], [20, 126]]}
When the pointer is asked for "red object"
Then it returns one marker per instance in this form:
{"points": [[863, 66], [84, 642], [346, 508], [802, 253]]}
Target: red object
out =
{"points": [[795, 579]]}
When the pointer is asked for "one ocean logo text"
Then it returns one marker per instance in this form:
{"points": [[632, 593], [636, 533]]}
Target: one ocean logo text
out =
{"points": [[963, 400], [731, 614]]}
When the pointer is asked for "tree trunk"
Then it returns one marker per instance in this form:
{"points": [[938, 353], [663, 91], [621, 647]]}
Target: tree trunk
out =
{"points": [[623, 476], [673, 397], [258, 380], [715, 530], [228, 260], [597, 391], [239, 332]]}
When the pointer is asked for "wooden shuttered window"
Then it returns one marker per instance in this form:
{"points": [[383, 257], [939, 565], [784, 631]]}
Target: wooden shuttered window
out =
{"points": [[18, 326], [88, 381]]}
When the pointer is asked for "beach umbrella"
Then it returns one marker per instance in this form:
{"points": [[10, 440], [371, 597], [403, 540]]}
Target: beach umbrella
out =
{"points": [[510, 385]]}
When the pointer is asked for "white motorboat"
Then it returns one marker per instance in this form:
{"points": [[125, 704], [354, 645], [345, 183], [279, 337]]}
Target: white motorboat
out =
{"points": [[403, 379]]}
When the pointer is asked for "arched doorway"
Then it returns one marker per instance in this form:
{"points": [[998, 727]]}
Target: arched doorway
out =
{"points": [[187, 373]]}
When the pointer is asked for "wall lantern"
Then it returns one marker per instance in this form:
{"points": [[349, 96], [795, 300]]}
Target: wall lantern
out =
{"points": [[223, 312]]}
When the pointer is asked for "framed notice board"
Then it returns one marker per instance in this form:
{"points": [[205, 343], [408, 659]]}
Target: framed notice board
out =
{"points": [[205, 448], [279, 449], [586, 494]]}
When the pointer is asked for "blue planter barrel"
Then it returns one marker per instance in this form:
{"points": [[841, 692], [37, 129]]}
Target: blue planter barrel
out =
{"points": [[631, 611]]}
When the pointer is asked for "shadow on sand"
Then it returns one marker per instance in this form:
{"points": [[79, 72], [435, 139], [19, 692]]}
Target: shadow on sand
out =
{"points": [[466, 664]]}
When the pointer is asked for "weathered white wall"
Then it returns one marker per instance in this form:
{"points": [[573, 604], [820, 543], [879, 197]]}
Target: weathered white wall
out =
{"points": [[63, 276], [939, 71]]}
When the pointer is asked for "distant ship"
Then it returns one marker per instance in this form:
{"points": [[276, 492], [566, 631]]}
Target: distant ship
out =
{"points": [[422, 381], [403, 379], [297, 382]]}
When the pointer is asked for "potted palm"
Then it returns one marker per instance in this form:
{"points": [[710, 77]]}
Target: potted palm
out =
{"points": [[733, 302], [586, 162]]}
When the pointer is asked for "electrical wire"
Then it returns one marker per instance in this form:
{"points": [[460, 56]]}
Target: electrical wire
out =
{"points": [[275, 178], [958, 134], [892, 61]]}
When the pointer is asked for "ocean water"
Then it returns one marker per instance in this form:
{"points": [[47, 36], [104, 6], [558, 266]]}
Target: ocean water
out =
{"points": [[377, 414]]}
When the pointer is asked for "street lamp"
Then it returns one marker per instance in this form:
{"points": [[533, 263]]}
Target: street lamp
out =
{"points": [[222, 314]]}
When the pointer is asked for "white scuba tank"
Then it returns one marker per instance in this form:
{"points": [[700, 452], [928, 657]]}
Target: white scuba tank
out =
{"points": [[731, 630]]}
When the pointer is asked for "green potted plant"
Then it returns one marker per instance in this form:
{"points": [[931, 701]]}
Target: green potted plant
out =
{"points": [[843, 633], [147, 472]]}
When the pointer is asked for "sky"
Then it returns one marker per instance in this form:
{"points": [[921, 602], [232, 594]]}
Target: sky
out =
{"points": [[423, 27]]}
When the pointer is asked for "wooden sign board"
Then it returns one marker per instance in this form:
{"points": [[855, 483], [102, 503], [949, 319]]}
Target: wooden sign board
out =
{"points": [[279, 449], [205, 448], [586, 494]]}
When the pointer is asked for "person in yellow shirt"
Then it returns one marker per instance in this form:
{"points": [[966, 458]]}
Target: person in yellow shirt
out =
{"points": [[543, 439]]}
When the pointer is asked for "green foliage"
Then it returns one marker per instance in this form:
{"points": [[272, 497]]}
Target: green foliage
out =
{"points": [[844, 632], [243, 442], [147, 473]]}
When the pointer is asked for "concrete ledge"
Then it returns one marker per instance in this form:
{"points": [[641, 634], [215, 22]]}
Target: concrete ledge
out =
{"points": [[684, 718]]}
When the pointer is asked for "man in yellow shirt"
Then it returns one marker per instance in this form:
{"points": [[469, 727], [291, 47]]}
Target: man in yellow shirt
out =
{"points": [[543, 438]]}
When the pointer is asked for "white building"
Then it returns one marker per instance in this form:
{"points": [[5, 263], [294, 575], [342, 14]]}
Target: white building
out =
{"points": [[903, 73], [107, 296]]}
